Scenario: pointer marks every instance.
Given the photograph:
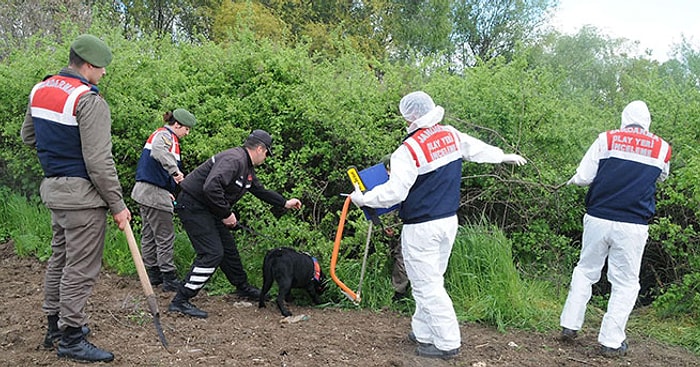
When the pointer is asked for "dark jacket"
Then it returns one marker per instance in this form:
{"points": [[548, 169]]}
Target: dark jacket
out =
{"points": [[221, 181]]}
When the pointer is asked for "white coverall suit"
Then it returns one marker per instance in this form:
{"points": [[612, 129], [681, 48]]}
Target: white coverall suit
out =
{"points": [[622, 168], [429, 215]]}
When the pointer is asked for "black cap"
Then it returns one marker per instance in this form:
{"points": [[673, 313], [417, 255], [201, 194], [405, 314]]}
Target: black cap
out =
{"points": [[262, 136]]}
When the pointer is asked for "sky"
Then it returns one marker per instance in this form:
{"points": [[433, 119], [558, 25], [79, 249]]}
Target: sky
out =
{"points": [[656, 24]]}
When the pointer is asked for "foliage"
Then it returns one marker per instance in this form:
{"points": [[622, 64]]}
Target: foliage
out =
{"points": [[681, 329], [462, 31], [419, 26], [21, 20], [232, 18], [27, 223], [175, 19]]}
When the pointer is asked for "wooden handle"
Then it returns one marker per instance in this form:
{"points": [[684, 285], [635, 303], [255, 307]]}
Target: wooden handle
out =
{"points": [[145, 283], [140, 268]]}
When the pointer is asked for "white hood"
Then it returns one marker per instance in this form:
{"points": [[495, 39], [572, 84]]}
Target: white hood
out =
{"points": [[420, 111], [636, 113], [429, 119]]}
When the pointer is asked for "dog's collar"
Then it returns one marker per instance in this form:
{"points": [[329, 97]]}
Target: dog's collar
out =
{"points": [[317, 270]]}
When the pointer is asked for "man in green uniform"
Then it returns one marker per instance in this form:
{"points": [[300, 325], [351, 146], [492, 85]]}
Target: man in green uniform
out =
{"points": [[69, 125]]}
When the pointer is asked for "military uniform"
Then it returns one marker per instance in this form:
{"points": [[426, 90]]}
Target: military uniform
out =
{"points": [[154, 189], [69, 125]]}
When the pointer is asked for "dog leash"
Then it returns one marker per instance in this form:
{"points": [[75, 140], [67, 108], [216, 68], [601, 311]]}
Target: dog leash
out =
{"points": [[243, 227]]}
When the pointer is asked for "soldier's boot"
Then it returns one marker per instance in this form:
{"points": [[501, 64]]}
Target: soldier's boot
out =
{"points": [[170, 281], [73, 345], [154, 276], [54, 334]]}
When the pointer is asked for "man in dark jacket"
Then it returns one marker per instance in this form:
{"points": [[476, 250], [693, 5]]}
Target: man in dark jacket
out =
{"points": [[204, 208]]}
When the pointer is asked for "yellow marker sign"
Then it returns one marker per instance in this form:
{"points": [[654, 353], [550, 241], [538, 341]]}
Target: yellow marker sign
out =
{"points": [[355, 178]]}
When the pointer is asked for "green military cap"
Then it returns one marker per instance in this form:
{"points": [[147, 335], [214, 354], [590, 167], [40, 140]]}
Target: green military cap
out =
{"points": [[184, 117], [92, 49]]}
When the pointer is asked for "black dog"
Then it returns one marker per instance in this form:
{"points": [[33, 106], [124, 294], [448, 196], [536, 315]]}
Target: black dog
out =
{"points": [[291, 269]]}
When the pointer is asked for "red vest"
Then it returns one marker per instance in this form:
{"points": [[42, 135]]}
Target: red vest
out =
{"points": [[53, 104]]}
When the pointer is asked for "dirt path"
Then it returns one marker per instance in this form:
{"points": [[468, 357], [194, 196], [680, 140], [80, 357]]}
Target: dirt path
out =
{"points": [[239, 334]]}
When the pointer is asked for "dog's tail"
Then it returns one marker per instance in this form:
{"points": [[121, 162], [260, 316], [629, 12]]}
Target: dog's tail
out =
{"points": [[267, 277]]}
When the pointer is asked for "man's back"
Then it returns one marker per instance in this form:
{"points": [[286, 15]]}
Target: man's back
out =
{"points": [[630, 161]]}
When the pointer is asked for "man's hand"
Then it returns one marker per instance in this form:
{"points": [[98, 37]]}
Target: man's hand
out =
{"points": [[122, 218], [230, 221], [178, 177], [293, 204], [514, 159], [358, 197]]}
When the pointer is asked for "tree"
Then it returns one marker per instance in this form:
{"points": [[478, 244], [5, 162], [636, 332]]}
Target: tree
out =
{"points": [[21, 19], [421, 27], [484, 29], [232, 18], [177, 18], [590, 62], [689, 57]]}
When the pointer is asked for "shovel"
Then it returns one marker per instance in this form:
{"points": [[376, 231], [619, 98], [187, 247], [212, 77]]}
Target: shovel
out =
{"points": [[145, 282]]}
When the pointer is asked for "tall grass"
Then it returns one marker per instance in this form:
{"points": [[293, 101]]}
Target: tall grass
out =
{"points": [[486, 287], [27, 223], [678, 330]]}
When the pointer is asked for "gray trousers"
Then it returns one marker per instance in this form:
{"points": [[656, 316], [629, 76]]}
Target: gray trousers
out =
{"points": [[399, 279], [157, 238], [74, 266]]}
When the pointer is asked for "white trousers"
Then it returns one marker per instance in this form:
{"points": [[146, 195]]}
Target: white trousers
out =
{"points": [[623, 245], [426, 252]]}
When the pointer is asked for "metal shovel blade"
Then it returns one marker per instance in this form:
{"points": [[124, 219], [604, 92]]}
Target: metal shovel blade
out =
{"points": [[153, 306]]}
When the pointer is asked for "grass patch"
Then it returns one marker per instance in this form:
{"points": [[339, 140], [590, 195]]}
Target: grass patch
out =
{"points": [[486, 287]]}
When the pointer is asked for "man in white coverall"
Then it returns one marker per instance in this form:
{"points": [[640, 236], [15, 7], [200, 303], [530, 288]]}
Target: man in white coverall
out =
{"points": [[426, 172], [621, 168]]}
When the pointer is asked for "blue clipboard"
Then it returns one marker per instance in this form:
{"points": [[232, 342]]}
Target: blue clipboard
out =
{"points": [[372, 177]]}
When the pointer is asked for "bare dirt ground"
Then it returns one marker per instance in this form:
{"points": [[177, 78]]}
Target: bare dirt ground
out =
{"points": [[236, 335]]}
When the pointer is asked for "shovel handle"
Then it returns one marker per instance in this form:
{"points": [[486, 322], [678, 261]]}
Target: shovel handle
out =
{"points": [[140, 268], [145, 283]]}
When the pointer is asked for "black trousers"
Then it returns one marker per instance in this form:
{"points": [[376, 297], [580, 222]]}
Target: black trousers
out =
{"points": [[213, 243]]}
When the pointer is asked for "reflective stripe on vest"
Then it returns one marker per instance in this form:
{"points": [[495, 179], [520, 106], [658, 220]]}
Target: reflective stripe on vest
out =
{"points": [[55, 99], [53, 104], [433, 147], [639, 145], [174, 148]]}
